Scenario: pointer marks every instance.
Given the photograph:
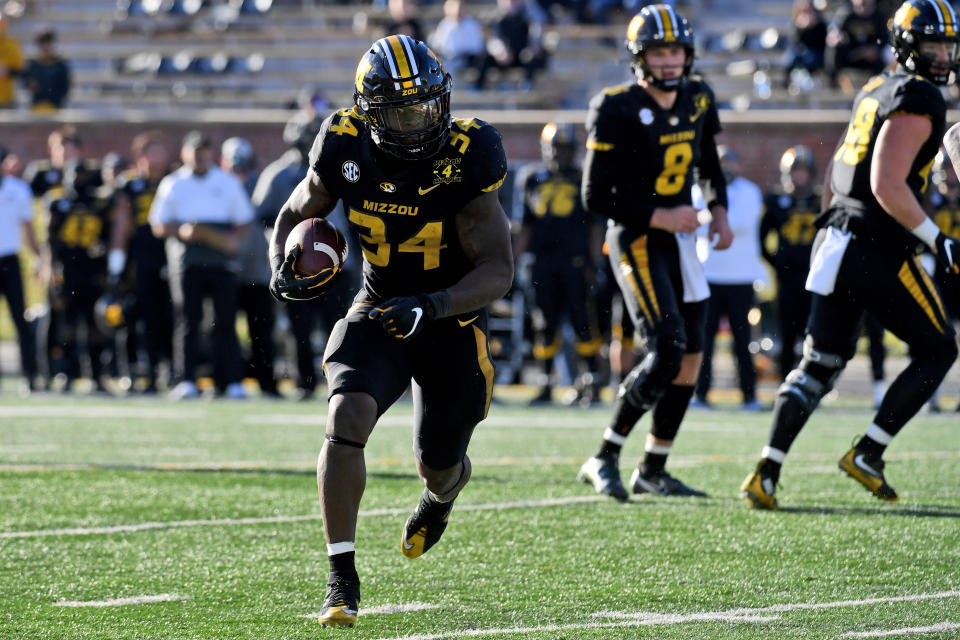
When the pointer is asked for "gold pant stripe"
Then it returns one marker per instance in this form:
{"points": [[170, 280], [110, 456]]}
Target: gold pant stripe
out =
{"points": [[486, 367], [627, 270], [916, 290], [931, 288], [590, 348], [639, 249], [543, 351]]}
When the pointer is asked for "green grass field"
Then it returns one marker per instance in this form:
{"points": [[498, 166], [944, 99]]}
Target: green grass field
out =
{"points": [[204, 515]]}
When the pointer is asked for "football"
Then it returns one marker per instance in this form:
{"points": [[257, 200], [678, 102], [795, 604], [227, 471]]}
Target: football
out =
{"points": [[324, 247]]}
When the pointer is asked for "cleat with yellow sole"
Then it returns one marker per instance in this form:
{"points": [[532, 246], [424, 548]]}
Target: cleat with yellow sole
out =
{"points": [[424, 526], [757, 491], [341, 604], [868, 472]]}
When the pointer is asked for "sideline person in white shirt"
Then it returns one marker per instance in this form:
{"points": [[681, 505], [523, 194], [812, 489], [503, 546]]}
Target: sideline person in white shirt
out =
{"points": [[204, 214], [16, 217], [732, 275]]}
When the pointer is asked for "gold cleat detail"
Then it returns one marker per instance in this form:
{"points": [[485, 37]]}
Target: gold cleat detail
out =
{"points": [[413, 547], [339, 616], [755, 495], [854, 465]]}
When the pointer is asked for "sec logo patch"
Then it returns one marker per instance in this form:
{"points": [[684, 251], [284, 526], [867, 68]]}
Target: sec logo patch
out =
{"points": [[351, 171]]}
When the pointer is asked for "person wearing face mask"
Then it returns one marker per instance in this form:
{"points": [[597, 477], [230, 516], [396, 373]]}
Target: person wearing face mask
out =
{"points": [[203, 214]]}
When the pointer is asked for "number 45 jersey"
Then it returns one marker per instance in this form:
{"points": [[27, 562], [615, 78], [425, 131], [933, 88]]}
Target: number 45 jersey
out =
{"points": [[404, 210]]}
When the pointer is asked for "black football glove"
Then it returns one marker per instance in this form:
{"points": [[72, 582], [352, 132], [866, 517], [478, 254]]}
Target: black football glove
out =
{"points": [[404, 317], [287, 285], [948, 253]]}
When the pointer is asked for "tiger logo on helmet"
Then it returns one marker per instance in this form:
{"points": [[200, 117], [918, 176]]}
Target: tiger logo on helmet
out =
{"points": [[403, 93], [658, 25], [919, 21]]}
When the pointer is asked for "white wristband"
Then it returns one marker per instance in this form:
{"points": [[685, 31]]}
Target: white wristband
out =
{"points": [[927, 231], [116, 259]]}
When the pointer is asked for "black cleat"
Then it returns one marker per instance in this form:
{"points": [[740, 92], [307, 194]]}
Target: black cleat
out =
{"points": [[604, 474], [661, 484], [425, 526], [342, 604]]}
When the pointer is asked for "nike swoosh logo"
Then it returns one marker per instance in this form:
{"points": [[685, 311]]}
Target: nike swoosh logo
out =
{"points": [[407, 546], [694, 117], [419, 313], [464, 323], [423, 191], [858, 460]]}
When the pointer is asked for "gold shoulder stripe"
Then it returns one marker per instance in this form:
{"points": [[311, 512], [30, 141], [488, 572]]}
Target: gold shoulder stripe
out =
{"points": [[495, 185], [612, 91], [596, 145]]}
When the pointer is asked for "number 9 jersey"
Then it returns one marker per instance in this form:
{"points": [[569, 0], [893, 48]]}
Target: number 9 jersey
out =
{"points": [[404, 210], [641, 156]]}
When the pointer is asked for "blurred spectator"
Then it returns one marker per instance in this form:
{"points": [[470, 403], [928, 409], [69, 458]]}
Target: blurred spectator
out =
{"points": [[856, 40], [809, 39], [253, 297], [786, 238], [47, 76], [516, 43], [401, 19], [45, 177], [16, 218], [11, 165], [458, 38], [275, 185], [203, 213], [11, 63], [144, 263], [732, 274]]}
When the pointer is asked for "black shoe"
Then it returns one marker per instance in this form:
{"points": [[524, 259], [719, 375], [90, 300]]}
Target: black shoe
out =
{"points": [[661, 483], [342, 603], [604, 474], [545, 396], [425, 526]]}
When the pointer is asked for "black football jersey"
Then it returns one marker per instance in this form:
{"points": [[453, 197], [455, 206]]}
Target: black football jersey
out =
{"points": [[945, 213], [404, 210], [79, 232], [885, 95], [792, 220], [658, 149], [552, 209], [145, 248]]}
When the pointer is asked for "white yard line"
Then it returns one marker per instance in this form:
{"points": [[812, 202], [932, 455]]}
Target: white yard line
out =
{"points": [[907, 631], [752, 615], [119, 602], [102, 412], [232, 522]]}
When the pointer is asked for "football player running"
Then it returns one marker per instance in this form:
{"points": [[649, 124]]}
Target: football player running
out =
{"points": [[645, 142], [865, 254], [420, 188]]}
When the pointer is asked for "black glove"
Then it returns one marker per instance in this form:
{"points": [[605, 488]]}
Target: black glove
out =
{"points": [[405, 316], [948, 253], [287, 285]]}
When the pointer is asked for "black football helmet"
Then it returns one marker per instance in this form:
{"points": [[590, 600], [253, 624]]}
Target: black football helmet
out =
{"points": [[918, 21], [658, 25], [403, 92], [558, 145], [794, 157]]}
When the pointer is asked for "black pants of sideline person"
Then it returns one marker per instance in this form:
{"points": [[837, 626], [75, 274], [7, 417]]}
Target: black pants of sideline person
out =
{"points": [[11, 286], [733, 301], [258, 305], [189, 290]]}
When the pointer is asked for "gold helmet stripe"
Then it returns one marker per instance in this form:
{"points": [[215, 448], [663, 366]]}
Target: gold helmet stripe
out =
{"points": [[947, 17], [403, 64], [387, 54], [634, 27], [362, 69], [669, 24]]}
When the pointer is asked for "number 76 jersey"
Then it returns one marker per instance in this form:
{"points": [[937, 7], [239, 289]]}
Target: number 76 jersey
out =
{"points": [[404, 211]]}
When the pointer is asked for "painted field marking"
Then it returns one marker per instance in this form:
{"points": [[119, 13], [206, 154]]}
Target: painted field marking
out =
{"points": [[907, 631], [384, 609], [233, 522], [752, 615], [100, 412], [119, 602]]}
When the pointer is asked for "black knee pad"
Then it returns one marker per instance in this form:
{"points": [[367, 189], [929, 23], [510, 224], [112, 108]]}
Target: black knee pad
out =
{"points": [[647, 381], [334, 439], [814, 377]]}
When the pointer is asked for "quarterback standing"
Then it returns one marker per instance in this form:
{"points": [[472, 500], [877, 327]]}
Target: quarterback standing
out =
{"points": [[420, 189], [645, 140], [865, 255]]}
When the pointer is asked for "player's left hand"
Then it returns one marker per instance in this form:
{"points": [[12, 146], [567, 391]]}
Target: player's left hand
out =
{"points": [[405, 316], [719, 233]]}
